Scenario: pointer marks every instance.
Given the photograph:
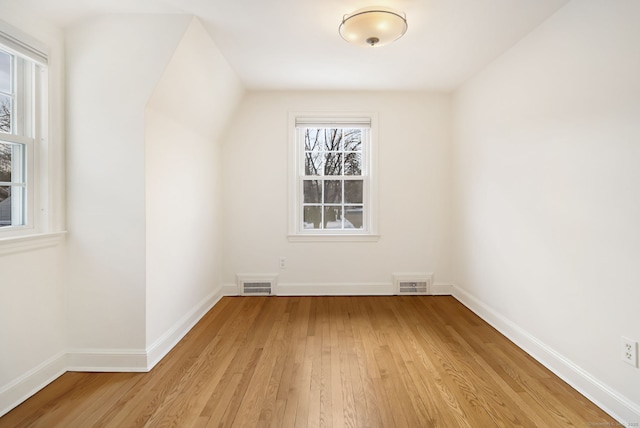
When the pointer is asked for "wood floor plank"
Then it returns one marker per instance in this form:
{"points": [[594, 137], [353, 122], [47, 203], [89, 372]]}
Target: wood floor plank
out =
{"points": [[379, 361], [326, 412], [378, 403], [368, 401], [336, 325]]}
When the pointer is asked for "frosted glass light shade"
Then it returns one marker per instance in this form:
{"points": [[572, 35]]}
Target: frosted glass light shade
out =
{"points": [[373, 26]]}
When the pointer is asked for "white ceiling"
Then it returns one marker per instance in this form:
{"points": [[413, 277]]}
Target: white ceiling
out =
{"points": [[294, 44]]}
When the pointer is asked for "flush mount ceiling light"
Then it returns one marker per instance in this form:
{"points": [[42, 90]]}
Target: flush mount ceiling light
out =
{"points": [[373, 26]]}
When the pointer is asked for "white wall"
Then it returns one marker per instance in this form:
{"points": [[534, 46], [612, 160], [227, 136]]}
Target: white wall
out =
{"points": [[184, 119], [546, 195], [414, 161], [32, 336], [113, 65], [32, 316]]}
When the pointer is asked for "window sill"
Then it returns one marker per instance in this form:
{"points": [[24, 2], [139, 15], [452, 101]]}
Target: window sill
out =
{"points": [[333, 238], [18, 244]]}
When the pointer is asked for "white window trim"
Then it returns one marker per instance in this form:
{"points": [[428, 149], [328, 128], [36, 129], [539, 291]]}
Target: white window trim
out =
{"points": [[43, 216], [296, 234], [27, 125], [23, 44], [19, 244]]}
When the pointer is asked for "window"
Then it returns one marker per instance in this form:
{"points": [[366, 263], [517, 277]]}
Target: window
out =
{"points": [[21, 83], [332, 183], [22, 100]]}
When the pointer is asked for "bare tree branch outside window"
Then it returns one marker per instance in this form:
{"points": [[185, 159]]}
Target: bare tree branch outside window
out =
{"points": [[5, 114], [5, 191]]}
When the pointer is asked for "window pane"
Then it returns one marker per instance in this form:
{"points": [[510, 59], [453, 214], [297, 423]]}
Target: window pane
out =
{"points": [[353, 217], [333, 217], [312, 190], [312, 217], [5, 113], [5, 206], [5, 73], [353, 140], [333, 164], [333, 192], [332, 139], [313, 163], [353, 164], [311, 140], [353, 191], [5, 162]]}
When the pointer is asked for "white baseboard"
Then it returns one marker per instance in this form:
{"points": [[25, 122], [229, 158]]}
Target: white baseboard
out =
{"points": [[612, 402], [312, 289], [107, 360], [439, 289], [166, 342], [31, 382], [344, 289], [230, 290]]}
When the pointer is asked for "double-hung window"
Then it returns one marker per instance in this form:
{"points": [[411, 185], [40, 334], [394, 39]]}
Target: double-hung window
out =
{"points": [[332, 184], [22, 99]]}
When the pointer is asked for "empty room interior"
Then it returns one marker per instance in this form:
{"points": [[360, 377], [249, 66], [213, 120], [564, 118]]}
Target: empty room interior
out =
{"points": [[252, 213]]}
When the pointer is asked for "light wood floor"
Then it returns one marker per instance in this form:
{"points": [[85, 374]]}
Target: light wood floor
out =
{"points": [[323, 361]]}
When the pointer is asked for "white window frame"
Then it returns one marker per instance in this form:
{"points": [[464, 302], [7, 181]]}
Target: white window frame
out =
{"points": [[296, 175], [25, 117], [32, 132]]}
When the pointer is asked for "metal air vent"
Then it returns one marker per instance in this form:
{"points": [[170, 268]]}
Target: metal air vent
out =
{"points": [[256, 285], [252, 288], [413, 284]]}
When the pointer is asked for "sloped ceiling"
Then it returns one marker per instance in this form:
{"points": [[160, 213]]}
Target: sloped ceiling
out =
{"points": [[294, 44]]}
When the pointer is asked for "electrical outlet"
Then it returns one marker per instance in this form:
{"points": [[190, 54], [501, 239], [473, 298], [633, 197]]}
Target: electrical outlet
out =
{"points": [[283, 262], [630, 351]]}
